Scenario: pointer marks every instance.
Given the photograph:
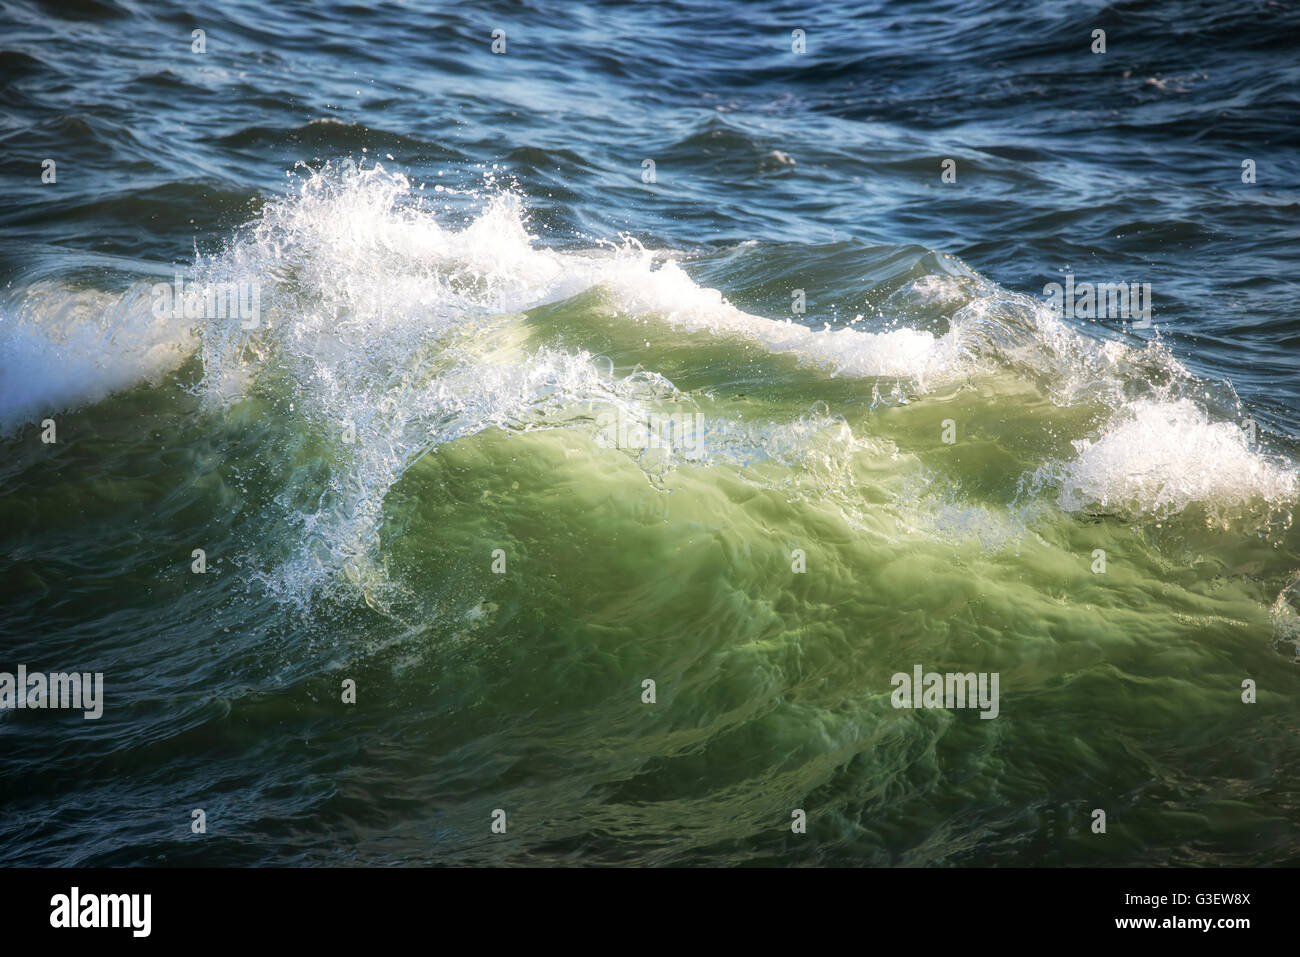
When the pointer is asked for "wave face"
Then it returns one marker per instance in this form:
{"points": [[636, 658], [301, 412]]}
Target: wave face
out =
{"points": [[467, 412]]}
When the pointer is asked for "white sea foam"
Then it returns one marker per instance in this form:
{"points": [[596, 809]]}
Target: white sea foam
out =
{"points": [[349, 266], [391, 317], [62, 347], [668, 293], [1159, 457]]}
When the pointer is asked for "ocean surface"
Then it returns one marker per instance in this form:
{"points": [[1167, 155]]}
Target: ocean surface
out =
{"points": [[707, 344]]}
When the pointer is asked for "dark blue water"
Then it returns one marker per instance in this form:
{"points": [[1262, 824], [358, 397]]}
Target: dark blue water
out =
{"points": [[1124, 166], [774, 170]]}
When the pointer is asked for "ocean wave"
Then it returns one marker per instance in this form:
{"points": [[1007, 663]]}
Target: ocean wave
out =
{"points": [[392, 323]]}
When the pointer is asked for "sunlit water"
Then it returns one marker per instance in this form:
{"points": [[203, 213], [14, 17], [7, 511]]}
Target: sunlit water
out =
{"points": [[426, 467]]}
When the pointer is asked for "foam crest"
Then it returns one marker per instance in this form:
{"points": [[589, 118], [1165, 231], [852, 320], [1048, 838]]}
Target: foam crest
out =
{"points": [[62, 347], [392, 320], [670, 294], [1158, 458]]}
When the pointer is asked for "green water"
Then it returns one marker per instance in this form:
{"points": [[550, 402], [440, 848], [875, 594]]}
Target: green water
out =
{"points": [[435, 506]]}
